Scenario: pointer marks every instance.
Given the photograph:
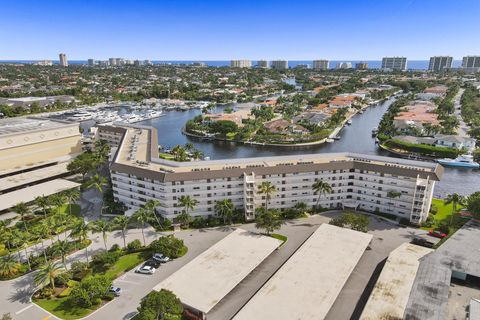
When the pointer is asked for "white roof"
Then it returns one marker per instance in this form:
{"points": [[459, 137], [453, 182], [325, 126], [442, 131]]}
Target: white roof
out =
{"points": [[205, 280], [307, 285], [392, 290], [32, 176], [28, 194]]}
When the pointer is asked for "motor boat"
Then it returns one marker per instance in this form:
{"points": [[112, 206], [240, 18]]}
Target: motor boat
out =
{"points": [[80, 116], [463, 161], [349, 122]]}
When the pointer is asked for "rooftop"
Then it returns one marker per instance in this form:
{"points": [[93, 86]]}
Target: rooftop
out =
{"points": [[391, 292], [28, 124], [205, 280], [307, 285]]}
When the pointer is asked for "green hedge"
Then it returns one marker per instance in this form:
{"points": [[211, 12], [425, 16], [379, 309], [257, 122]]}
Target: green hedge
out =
{"points": [[422, 149]]}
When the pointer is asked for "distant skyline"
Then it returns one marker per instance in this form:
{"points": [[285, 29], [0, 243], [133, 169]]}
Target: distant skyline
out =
{"points": [[222, 30]]}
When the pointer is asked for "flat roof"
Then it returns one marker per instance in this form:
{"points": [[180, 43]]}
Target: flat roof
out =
{"points": [[32, 176], [308, 284], [205, 280], [28, 194], [392, 290], [27, 124]]}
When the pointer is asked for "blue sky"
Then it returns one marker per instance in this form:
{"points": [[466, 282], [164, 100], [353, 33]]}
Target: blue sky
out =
{"points": [[222, 30]]}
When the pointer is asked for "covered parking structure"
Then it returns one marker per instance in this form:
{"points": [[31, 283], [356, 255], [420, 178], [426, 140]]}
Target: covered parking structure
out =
{"points": [[307, 285], [204, 281]]}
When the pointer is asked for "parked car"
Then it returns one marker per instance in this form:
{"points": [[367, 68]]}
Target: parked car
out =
{"points": [[145, 269], [160, 258], [422, 242], [437, 234], [152, 263], [115, 290]]}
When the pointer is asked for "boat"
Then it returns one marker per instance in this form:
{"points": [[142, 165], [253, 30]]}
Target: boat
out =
{"points": [[80, 116], [463, 161], [374, 131], [349, 121], [329, 140]]}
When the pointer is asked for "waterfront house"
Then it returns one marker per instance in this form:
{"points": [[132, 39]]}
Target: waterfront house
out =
{"points": [[282, 126], [456, 142], [315, 118]]}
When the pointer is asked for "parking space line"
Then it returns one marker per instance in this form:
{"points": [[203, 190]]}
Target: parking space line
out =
{"points": [[24, 309]]}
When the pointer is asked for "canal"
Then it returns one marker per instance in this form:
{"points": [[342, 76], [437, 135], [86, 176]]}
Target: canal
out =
{"points": [[354, 138]]}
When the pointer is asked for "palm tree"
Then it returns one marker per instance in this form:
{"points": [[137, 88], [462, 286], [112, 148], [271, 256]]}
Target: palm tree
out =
{"points": [[44, 203], [81, 230], [142, 217], [61, 247], [102, 226], [225, 208], [184, 218], [301, 207], [42, 231], [9, 266], [197, 154], [57, 200], [187, 202], [321, 187], [96, 182], [122, 222], [150, 206], [47, 274], [22, 209], [455, 199], [268, 189], [71, 196], [61, 219], [268, 220]]}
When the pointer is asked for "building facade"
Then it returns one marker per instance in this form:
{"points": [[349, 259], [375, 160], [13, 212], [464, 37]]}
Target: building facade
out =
{"points": [[279, 64], [263, 64], [440, 63], [321, 64], [62, 57], [471, 63], [361, 66], [394, 63], [241, 63], [358, 181]]}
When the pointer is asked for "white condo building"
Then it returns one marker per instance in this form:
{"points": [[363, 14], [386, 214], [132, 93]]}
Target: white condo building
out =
{"points": [[279, 64], [263, 64], [394, 63], [358, 181], [62, 57], [321, 64], [241, 63], [440, 63]]}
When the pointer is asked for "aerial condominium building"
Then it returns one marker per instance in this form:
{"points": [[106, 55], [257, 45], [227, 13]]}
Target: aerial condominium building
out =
{"points": [[371, 183], [321, 64], [279, 64], [63, 59], [471, 63], [440, 63], [262, 64], [361, 66], [394, 63], [241, 63]]}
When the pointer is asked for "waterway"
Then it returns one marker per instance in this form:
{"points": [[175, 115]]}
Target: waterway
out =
{"points": [[354, 138]]}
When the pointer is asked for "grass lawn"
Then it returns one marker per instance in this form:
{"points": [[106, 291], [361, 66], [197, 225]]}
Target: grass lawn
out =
{"points": [[124, 264], [444, 212], [67, 207], [61, 308], [231, 135], [166, 156]]}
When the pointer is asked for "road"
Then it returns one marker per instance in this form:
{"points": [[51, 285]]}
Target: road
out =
{"points": [[463, 128], [15, 294]]}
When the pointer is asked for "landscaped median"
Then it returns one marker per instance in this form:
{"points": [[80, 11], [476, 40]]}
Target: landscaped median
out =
{"points": [[85, 287], [280, 237]]}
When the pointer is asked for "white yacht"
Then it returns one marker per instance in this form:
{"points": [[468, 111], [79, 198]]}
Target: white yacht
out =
{"points": [[81, 116]]}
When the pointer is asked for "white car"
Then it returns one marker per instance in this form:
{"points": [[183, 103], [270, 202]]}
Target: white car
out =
{"points": [[160, 258], [145, 269]]}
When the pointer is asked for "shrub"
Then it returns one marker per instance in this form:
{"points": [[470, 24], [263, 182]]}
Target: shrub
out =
{"points": [[90, 291], [134, 245], [168, 245], [114, 247], [105, 259], [65, 293], [63, 278], [46, 292], [433, 209], [198, 222]]}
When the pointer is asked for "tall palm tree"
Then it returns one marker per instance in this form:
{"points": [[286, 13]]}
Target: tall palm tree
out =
{"points": [[268, 189], [225, 208], [455, 199], [122, 222], [81, 230], [321, 187], [96, 182], [57, 200], [150, 208], [47, 274], [9, 266], [71, 196], [103, 227], [44, 203], [61, 247], [42, 231], [187, 202], [22, 209], [142, 217], [61, 219]]}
